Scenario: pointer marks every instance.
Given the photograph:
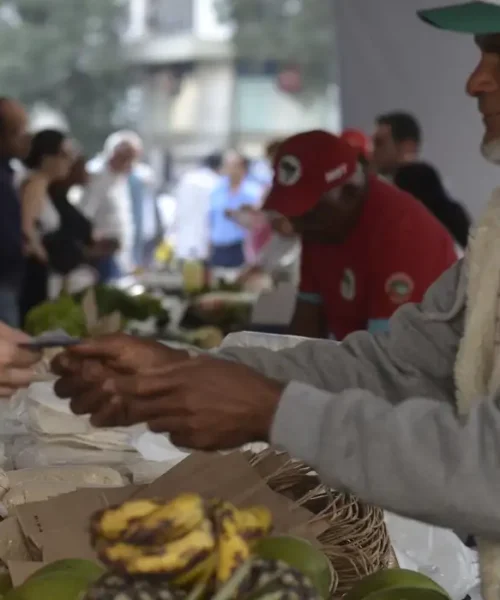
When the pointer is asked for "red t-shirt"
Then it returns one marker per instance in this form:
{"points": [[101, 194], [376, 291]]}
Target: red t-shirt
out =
{"points": [[396, 251]]}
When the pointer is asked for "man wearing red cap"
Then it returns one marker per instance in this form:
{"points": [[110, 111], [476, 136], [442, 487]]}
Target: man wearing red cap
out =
{"points": [[367, 247]]}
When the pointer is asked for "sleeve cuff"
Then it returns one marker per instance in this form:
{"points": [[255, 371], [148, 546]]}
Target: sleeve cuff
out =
{"points": [[298, 421], [312, 298]]}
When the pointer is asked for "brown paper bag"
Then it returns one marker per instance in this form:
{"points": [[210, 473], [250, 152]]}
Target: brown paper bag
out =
{"points": [[13, 545], [20, 570]]}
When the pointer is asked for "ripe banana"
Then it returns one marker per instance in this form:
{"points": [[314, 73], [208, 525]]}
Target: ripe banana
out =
{"points": [[232, 549], [111, 523], [186, 541], [254, 523], [170, 560], [169, 522]]}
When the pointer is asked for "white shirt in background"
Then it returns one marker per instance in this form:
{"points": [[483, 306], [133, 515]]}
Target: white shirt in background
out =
{"points": [[192, 228], [108, 205]]}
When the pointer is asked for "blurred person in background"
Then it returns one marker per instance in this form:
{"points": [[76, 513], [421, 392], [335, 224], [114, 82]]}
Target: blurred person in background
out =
{"points": [[49, 159], [14, 144], [424, 183], [260, 231], [72, 247], [142, 188], [261, 170], [235, 191], [367, 247], [108, 204], [148, 223], [396, 141], [192, 217], [273, 248]]}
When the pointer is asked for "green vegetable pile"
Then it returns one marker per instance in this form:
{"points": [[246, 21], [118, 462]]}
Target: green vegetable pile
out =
{"points": [[66, 312], [63, 313], [132, 308]]}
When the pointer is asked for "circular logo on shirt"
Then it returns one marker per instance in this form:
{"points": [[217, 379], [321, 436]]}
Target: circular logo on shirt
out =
{"points": [[289, 170], [348, 285], [399, 287]]}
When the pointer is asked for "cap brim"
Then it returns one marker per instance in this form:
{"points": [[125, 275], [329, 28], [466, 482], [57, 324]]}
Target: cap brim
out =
{"points": [[289, 203], [477, 18]]}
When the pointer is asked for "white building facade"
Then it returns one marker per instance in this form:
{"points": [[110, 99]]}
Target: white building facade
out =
{"points": [[196, 98]]}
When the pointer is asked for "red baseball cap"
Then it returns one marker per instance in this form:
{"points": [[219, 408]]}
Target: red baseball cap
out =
{"points": [[307, 166], [358, 140]]}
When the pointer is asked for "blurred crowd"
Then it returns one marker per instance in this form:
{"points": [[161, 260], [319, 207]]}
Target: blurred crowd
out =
{"points": [[66, 216], [349, 220]]}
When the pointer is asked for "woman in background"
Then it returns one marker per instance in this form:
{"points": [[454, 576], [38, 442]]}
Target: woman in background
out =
{"points": [[49, 160]]}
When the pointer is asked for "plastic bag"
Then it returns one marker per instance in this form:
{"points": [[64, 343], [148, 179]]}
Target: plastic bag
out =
{"points": [[34, 485], [47, 417], [156, 447], [31, 452], [435, 552], [270, 341]]}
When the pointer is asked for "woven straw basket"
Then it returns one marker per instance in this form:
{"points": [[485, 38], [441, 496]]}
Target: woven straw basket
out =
{"points": [[356, 541]]}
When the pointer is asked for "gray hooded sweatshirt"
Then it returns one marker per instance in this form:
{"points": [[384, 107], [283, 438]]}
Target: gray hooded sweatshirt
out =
{"points": [[376, 415]]}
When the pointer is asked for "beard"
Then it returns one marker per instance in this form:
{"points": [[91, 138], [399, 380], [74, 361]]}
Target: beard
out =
{"points": [[491, 151]]}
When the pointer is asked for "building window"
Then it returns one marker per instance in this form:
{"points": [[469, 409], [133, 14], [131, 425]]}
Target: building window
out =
{"points": [[170, 16]]}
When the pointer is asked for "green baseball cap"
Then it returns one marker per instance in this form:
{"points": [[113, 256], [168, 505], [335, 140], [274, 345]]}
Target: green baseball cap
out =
{"points": [[476, 17]]}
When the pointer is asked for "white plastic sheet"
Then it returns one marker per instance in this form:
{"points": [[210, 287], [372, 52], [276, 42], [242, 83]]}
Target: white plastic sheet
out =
{"points": [[156, 447], [435, 552]]}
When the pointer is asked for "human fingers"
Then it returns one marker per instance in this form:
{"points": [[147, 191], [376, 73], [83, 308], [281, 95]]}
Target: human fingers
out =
{"points": [[111, 413], [90, 374], [105, 348], [13, 355], [64, 364], [6, 392], [14, 378], [148, 384], [182, 434], [89, 400], [23, 357], [16, 336], [144, 410]]}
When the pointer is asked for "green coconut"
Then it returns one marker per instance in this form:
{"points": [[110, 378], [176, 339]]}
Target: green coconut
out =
{"points": [[56, 586], [5, 584], [301, 555], [395, 584], [85, 568], [64, 580]]}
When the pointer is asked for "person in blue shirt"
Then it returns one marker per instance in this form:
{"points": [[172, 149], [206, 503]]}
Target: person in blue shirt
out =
{"points": [[236, 190]]}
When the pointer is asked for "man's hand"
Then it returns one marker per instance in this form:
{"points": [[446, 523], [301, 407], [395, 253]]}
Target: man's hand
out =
{"points": [[84, 368], [16, 363], [120, 352], [203, 403]]}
